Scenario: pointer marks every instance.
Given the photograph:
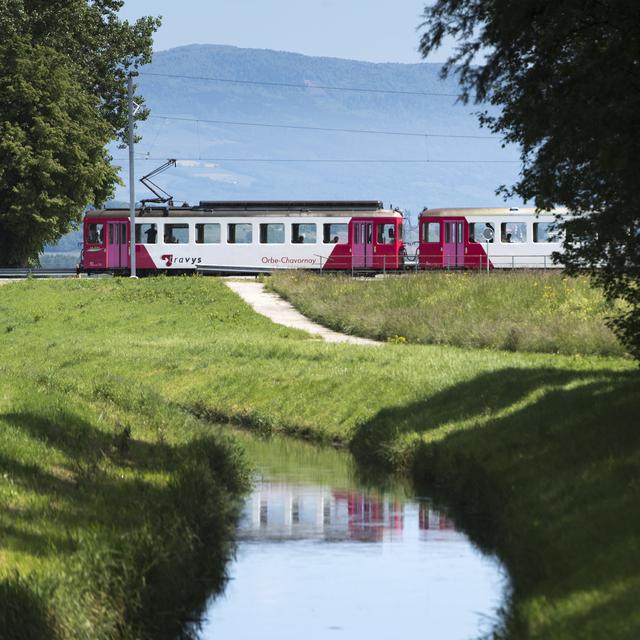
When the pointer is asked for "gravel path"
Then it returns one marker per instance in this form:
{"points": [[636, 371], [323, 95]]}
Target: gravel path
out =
{"points": [[281, 312]]}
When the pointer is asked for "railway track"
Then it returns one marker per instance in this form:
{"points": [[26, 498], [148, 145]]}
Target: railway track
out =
{"points": [[38, 273]]}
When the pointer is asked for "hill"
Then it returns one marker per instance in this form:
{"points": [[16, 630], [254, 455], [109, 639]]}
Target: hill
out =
{"points": [[411, 186], [408, 185]]}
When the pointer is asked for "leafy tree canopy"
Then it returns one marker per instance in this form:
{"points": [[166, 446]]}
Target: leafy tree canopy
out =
{"points": [[63, 98], [565, 74], [89, 32], [53, 158]]}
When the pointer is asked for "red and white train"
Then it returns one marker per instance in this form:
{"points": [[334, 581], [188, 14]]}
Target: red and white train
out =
{"points": [[488, 238], [247, 237], [252, 237]]}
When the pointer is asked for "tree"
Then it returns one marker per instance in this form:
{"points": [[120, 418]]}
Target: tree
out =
{"points": [[63, 71], [565, 74], [53, 158], [89, 32]]}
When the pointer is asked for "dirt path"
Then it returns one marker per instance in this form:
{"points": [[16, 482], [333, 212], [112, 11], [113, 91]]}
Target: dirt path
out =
{"points": [[281, 312]]}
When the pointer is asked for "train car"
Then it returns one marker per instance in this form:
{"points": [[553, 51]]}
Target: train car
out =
{"points": [[250, 237], [488, 238]]}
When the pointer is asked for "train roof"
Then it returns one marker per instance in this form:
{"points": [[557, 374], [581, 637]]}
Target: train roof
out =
{"points": [[491, 211], [291, 205], [252, 208]]}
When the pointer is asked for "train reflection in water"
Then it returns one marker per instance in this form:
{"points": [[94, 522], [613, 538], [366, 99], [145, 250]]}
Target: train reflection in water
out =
{"points": [[279, 511], [321, 555]]}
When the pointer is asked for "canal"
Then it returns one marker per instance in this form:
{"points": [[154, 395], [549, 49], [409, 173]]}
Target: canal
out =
{"points": [[324, 554]]}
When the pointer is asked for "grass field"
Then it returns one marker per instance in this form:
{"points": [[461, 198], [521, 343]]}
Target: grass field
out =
{"points": [[118, 510], [513, 311], [542, 450]]}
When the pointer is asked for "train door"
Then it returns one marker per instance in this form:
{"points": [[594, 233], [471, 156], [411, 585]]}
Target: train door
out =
{"points": [[94, 252], [453, 246], [387, 244], [362, 245], [117, 245]]}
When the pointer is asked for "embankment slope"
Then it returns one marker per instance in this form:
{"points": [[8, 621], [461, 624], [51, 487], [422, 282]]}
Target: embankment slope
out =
{"points": [[542, 447]]}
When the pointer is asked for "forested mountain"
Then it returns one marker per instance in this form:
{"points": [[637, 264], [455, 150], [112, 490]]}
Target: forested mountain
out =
{"points": [[408, 185], [201, 175]]}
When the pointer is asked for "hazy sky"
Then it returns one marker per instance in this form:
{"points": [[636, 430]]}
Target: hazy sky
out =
{"points": [[373, 30]]}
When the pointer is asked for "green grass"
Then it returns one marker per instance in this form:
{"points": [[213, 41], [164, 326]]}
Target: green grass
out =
{"points": [[543, 466], [118, 510], [541, 449], [530, 311]]}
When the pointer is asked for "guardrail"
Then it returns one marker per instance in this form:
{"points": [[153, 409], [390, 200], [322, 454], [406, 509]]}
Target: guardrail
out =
{"points": [[358, 265], [436, 262], [222, 269], [37, 273], [372, 264], [478, 262]]}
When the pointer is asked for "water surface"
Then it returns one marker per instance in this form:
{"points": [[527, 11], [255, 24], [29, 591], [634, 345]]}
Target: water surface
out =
{"points": [[323, 554]]}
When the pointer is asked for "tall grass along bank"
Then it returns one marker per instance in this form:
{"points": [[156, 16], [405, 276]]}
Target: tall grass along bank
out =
{"points": [[542, 448], [117, 510], [514, 311]]}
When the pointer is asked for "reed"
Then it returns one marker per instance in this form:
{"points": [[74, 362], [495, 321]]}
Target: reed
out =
{"points": [[513, 311]]}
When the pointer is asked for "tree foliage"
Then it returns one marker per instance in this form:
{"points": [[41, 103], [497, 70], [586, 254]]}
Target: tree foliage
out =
{"points": [[103, 47], [565, 74], [53, 158], [63, 71]]}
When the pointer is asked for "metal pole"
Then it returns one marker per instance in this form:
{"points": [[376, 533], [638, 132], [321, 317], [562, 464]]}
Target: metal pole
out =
{"points": [[132, 186]]}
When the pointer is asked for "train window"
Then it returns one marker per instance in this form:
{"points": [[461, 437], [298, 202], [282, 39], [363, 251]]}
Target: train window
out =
{"points": [[386, 233], [513, 232], [400, 231], [207, 233], [481, 232], [176, 233], [545, 232], [272, 233], [95, 234], [335, 233], [146, 233], [303, 233], [431, 232], [240, 233]]}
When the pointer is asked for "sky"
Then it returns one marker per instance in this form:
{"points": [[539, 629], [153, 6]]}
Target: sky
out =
{"points": [[371, 30]]}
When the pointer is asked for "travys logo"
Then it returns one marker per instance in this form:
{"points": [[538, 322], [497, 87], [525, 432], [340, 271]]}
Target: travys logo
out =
{"points": [[170, 260]]}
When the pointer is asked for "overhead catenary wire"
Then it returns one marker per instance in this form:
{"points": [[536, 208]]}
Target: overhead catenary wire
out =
{"points": [[424, 135], [333, 160], [293, 85], [269, 125], [155, 139]]}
